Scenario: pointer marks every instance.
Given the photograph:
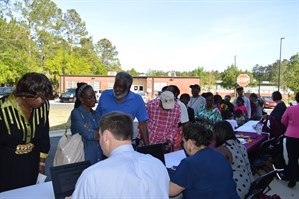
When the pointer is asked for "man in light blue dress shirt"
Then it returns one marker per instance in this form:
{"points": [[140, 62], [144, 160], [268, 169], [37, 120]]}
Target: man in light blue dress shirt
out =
{"points": [[125, 173]]}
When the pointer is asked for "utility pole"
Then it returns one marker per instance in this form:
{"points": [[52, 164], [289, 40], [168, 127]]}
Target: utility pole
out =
{"points": [[278, 82], [235, 60]]}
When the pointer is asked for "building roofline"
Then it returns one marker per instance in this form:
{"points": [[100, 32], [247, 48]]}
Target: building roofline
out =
{"points": [[181, 77]]}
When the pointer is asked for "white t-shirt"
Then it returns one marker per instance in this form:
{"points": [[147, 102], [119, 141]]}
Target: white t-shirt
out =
{"points": [[184, 112], [195, 102], [233, 123]]}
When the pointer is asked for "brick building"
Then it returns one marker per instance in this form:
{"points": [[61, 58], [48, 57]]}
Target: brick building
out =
{"points": [[149, 84]]}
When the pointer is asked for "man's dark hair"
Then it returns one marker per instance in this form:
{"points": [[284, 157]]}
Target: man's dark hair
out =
{"points": [[253, 95], [240, 88], [276, 95], [119, 124], [164, 88], [185, 96], [174, 89]]}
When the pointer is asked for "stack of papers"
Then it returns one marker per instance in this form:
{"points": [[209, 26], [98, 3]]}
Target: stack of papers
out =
{"points": [[248, 127]]}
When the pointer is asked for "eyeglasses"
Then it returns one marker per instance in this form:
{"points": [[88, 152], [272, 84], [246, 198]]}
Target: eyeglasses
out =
{"points": [[35, 97]]}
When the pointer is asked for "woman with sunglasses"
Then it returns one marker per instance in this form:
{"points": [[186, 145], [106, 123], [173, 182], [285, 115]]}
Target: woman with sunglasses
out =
{"points": [[24, 131]]}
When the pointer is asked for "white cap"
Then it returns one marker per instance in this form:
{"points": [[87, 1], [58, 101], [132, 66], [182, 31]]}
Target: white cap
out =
{"points": [[167, 99]]}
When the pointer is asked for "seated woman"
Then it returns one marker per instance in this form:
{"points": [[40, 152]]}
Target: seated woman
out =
{"points": [[207, 114], [236, 153], [206, 173], [85, 121]]}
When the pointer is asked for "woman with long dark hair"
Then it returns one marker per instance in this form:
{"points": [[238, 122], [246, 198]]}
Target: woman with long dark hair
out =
{"points": [[236, 154]]}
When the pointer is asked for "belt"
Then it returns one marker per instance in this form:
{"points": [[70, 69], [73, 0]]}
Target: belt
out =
{"points": [[24, 148]]}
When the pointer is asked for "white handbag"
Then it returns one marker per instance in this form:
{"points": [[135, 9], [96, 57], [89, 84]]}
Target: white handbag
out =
{"points": [[70, 148]]}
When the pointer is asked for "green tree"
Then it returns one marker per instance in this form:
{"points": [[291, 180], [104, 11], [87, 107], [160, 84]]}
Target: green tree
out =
{"points": [[209, 80], [133, 72], [108, 55], [156, 73], [291, 74], [273, 70], [87, 50], [229, 77], [75, 28]]}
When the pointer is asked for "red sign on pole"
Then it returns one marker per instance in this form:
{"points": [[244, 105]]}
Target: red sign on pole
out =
{"points": [[243, 80]]}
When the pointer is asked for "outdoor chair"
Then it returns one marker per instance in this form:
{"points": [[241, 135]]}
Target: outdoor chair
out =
{"points": [[260, 185], [263, 160]]}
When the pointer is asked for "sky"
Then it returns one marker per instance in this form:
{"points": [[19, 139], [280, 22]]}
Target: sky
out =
{"points": [[182, 35]]}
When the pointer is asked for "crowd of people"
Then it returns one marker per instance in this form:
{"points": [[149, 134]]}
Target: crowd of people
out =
{"points": [[183, 121]]}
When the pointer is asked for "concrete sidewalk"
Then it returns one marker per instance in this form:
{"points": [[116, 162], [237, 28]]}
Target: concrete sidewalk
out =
{"points": [[58, 133], [54, 139]]}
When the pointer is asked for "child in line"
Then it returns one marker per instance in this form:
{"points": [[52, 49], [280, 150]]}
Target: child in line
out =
{"points": [[239, 117], [240, 106], [231, 119]]}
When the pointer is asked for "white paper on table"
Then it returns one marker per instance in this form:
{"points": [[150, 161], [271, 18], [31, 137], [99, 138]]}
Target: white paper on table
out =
{"points": [[248, 127], [174, 158], [41, 178], [242, 140]]}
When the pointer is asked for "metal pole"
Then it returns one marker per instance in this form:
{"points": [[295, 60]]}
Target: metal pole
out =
{"points": [[235, 60], [278, 83]]}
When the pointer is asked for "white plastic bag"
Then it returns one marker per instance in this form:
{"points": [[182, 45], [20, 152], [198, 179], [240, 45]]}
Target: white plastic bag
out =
{"points": [[70, 149]]}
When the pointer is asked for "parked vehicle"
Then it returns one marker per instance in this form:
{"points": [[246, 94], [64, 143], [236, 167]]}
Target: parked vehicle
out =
{"points": [[292, 103], [68, 96], [269, 103], [143, 95], [4, 91], [98, 94]]}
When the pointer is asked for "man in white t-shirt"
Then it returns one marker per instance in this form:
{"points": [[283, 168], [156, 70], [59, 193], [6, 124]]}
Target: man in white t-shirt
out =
{"points": [[196, 99], [184, 118]]}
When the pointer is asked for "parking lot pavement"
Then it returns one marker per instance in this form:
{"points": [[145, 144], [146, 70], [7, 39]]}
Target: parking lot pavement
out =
{"points": [[49, 161]]}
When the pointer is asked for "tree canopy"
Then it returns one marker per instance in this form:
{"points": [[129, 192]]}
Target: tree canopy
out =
{"points": [[36, 35]]}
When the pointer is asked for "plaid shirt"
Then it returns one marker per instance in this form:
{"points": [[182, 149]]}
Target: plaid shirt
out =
{"points": [[162, 124]]}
